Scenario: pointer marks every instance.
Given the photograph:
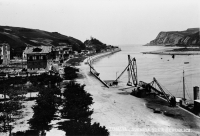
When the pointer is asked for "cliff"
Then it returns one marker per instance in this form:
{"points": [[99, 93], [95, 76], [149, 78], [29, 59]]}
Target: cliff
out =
{"points": [[189, 37]]}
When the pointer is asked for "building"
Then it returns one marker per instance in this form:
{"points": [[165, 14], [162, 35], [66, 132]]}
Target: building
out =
{"points": [[4, 54], [39, 57], [63, 52]]}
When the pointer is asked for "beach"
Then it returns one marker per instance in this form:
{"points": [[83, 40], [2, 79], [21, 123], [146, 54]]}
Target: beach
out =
{"points": [[123, 114]]}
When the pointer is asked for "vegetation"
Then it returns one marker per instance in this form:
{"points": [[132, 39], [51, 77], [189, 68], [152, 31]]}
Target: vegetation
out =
{"points": [[80, 128], [76, 103], [13, 88], [76, 61], [18, 37], [76, 108], [16, 87], [70, 73], [96, 44], [27, 133], [45, 108], [45, 79]]}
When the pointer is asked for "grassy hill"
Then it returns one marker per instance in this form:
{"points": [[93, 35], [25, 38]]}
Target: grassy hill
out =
{"points": [[18, 38]]}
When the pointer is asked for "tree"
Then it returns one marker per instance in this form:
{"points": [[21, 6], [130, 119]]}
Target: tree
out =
{"points": [[77, 102], [70, 73], [76, 108], [45, 79], [80, 128], [44, 110], [27, 133]]}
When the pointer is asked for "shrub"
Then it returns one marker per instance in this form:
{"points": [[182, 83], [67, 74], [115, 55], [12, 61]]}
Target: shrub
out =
{"points": [[70, 73]]}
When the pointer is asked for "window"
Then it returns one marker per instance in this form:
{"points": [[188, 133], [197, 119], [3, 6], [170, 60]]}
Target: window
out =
{"points": [[30, 58], [34, 57], [44, 58]]}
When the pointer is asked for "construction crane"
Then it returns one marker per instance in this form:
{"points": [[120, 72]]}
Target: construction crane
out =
{"points": [[131, 68], [149, 87]]}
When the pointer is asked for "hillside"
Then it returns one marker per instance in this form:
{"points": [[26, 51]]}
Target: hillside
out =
{"points": [[18, 38], [189, 37], [94, 43]]}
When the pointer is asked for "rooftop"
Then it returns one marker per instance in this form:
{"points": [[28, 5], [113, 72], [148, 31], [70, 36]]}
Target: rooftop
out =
{"points": [[38, 49]]}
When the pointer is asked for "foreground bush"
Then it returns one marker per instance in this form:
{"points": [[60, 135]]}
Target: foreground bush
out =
{"points": [[27, 133], [80, 128]]}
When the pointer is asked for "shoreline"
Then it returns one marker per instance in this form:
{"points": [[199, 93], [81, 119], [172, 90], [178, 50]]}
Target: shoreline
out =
{"points": [[96, 57], [120, 112], [101, 55], [170, 53], [173, 51]]}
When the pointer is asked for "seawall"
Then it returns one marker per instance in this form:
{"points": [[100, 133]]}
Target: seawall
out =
{"points": [[101, 55], [96, 57]]}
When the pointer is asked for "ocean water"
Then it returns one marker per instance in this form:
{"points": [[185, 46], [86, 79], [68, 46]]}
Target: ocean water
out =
{"points": [[168, 71]]}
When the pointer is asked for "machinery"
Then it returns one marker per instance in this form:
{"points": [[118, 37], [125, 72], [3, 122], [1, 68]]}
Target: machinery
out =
{"points": [[151, 88], [131, 68], [143, 88]]}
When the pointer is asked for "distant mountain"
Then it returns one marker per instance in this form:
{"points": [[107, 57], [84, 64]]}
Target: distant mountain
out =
{"points": [[189, 37], [18, 38]]}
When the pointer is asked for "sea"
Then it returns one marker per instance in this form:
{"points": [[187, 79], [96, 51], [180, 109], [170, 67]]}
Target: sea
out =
{"points": [[167, 70]]}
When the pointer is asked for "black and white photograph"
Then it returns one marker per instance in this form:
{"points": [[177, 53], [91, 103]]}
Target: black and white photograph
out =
{"points": [[99, 68]]}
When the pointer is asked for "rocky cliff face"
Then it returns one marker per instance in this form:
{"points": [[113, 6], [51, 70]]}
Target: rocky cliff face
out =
{"points": [[190, 37]]}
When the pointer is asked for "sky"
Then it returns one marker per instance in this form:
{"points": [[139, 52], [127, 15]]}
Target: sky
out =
{"points": [[113, 22]]}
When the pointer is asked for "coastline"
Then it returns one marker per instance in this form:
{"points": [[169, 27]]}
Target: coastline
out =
{"points": [[101, 55], [119, 112], [172, 52], [96, 57], [122, 113]]}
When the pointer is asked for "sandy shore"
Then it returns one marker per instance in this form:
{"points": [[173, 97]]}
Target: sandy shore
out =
{"points": [[169, 51], [124, 114]]}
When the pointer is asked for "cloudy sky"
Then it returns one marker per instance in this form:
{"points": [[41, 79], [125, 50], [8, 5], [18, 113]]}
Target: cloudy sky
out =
{"points": [[111, 21]]}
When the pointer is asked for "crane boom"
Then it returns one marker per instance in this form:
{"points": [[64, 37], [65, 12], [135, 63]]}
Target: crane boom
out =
{"points": [[124, 70], [163, 92], [132, 72]]}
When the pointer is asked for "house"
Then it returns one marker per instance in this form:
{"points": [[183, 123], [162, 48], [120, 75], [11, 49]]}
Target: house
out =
{"points": [[39, 57], [109, 48], [63, 52], [85, 52], [67, 52], [4, 53]]}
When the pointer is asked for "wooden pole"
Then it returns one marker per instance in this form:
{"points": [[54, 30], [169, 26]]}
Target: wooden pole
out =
{"points": [[183, 87]]}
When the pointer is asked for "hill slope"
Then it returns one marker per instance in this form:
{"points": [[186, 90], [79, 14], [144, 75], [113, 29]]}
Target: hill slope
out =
{"points": [[18, 38], [189, 37]]}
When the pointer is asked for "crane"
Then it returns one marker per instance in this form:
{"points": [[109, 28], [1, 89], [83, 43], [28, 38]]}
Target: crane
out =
{"points": [[131, 68], [149, 87]]}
